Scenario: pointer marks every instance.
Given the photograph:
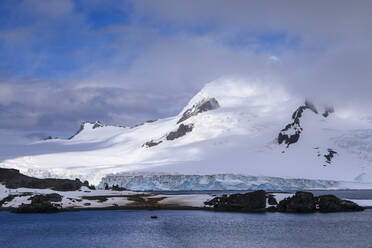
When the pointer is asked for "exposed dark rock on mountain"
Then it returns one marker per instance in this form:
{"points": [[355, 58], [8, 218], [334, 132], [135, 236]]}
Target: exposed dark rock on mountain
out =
{"points": [[301, 202], [81, 128], [249, 202], [40, 204], [330, 203], [95, 124], [311, 106], [330, 155], [328, 110], [181, 131], [12, 179], [291, 133], [151, 143], [203, 106], [141, 124]]}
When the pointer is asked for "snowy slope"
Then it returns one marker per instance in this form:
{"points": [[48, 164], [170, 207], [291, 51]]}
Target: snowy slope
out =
{"points": [[237, 135]]}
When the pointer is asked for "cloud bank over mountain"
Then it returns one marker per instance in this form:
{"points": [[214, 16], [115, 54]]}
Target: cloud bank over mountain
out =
{"points": [[123, 62]]}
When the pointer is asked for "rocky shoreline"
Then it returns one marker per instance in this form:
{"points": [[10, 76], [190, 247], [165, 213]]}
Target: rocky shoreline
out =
{"points": [[252, 202], [300, 202], [13, 179], [23, 194]]}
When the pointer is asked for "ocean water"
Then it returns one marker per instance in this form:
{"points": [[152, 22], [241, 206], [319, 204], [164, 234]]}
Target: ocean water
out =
{"points": [[125, 229]]}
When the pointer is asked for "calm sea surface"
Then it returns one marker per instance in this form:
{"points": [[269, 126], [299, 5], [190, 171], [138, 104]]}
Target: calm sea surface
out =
{"points": [[123, 228]]}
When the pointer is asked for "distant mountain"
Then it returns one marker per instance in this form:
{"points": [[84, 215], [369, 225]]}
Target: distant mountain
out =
{"points": [[230, 127]]}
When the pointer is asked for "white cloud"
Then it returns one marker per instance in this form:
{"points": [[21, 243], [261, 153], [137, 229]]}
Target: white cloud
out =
{"points": [[150, 67]]}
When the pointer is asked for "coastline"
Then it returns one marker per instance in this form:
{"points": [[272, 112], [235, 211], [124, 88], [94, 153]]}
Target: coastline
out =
{"points": [[89, 200], [24, 194]]}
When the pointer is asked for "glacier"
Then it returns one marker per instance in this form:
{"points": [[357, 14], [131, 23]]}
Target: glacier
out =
{"points": [[233, 144], [213, 182]]}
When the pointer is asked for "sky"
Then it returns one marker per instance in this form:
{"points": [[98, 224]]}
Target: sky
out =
{"points": [[124, 62]]}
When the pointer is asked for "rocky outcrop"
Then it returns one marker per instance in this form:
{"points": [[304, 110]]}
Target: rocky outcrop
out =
{"points": [[9, 198], [151, 143], [53, 197], [301, 202], [271, 200], [181, 131], [203, 106], [13, 179], [114, 187], [330, 203], [81, 128], [143, 123], [249, 202], [292, 131], [305, 202], [95, 124], [40, 204], [329, 155]]}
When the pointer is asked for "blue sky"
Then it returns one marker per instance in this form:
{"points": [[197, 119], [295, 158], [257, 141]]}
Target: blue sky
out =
{"points": [[49, 47], [123, 62]]}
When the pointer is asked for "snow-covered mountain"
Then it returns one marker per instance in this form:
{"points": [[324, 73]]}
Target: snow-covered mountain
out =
{"points": [[230, 132]]}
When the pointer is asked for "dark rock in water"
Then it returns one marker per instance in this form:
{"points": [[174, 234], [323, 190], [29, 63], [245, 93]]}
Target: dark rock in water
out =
{"points": [[181, 131], [203, 106], [48, 138], [151, 143], [40, 204], [301, 202], [249, 202], [330, 203], [12, 179]]}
